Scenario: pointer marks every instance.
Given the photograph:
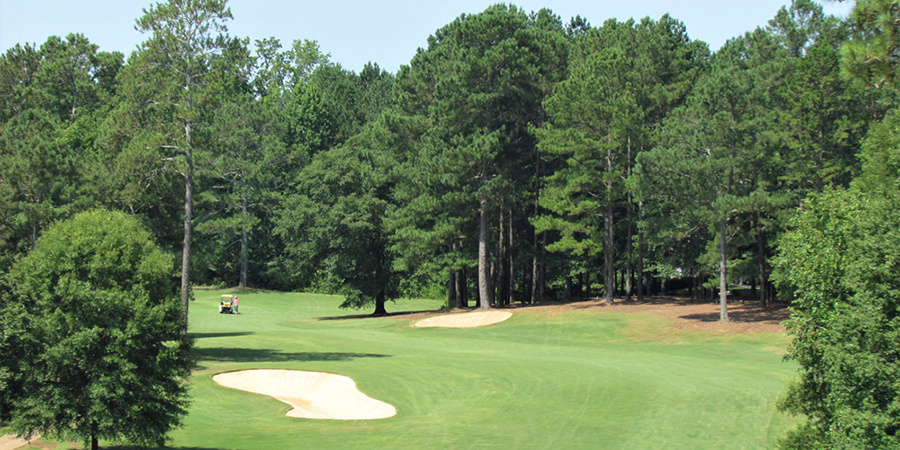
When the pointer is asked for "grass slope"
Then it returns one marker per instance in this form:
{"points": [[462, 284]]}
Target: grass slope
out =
{"points": [[562, 379]]}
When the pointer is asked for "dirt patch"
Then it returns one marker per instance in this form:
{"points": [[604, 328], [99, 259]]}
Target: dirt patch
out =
{"points": [[746, 317], [742, 317]]}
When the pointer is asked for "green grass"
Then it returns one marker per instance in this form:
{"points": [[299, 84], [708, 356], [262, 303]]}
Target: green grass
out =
{"points": [[571, 379]]}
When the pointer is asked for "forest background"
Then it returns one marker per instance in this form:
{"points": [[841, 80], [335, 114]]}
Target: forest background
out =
{"points": [[516, 158]]}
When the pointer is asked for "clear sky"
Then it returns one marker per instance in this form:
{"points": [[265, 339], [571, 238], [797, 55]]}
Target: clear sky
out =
{"points": [[354, 32]]}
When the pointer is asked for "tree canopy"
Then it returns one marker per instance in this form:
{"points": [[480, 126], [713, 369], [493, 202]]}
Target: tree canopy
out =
{"points": [[93, 341]]}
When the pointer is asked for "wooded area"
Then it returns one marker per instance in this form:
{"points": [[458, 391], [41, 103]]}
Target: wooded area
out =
{"points": [[518, 158]]}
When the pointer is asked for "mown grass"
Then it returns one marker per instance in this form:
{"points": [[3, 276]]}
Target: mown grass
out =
{"points": [[565, 379]]}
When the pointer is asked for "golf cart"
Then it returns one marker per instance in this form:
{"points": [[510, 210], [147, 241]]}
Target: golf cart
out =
{"points": [[226, 305]]}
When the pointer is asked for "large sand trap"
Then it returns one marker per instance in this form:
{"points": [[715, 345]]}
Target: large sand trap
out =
{"points": [[313, 395], [465, 320]]}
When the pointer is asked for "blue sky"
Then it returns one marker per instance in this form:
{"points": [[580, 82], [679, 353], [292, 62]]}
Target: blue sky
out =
{"points": [[354, 32]]}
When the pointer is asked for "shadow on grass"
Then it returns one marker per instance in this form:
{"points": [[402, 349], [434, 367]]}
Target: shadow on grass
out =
{"points": [[373, 316], [215, 335], [748, 315], [131, 447], [245, 355]]}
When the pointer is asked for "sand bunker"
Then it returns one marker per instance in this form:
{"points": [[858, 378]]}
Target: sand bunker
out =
{"points": [[313, 395], [465, 320], [10, 442]]}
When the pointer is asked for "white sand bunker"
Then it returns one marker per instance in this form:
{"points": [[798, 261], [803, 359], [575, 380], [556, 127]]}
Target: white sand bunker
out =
{"points": [[465, 320], [313, 395]]}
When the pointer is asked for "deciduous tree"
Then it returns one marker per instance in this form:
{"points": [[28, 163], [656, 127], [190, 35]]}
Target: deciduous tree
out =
{"points": [[106, 357], [839, 261], [334, 222]]}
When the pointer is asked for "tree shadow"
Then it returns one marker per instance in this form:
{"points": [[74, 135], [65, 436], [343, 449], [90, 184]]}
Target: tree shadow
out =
{"points": [[215, 335], [373, 316], [249, 355], [744, 315], [132, 447]]}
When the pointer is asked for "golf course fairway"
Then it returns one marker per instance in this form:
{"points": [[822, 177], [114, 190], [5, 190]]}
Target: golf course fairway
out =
{"points": [[569, 378]]}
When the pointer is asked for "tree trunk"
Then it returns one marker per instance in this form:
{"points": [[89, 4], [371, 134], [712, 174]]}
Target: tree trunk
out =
{"points": [[188, 212], [610, 278], [95, 443], [695, 287], [484, 282], [379, 305], [452, 297], [492, 283], [464, 284], [452, 293], [629, 256], [763, 270], [34, 233], [462, 287], [542, 284], [535, 268], [723, 274], [510, 265], [629, 248], [586, 285], [723, 257], [526, 286], [503, 276], [536, 261], [640, 261], [243, 280]]}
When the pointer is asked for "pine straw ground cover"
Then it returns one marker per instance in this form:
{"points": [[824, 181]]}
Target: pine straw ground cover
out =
{"points": [[662, 374]]}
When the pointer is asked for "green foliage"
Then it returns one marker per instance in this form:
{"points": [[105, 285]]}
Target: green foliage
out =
{"points": [[623, 80], [17, 70], [96, 303], [817, 118], [872, 55], [174, 78], [880, 155], [50, 101], [477, 90], [323, 112], [840, 261], [16, 345], [242, 176], [333, 223]]}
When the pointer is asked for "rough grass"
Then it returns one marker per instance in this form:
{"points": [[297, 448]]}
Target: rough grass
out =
{"points": [[542, 379]]}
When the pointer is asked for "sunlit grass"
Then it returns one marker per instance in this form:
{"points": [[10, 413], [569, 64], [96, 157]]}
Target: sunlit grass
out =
{"points": [[549, 379]]}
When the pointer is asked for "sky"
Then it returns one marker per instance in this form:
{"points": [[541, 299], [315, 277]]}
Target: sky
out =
{"points": [[355, 32]]}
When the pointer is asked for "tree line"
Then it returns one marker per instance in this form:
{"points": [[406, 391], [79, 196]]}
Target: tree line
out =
{"points": [[516, 158]]}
